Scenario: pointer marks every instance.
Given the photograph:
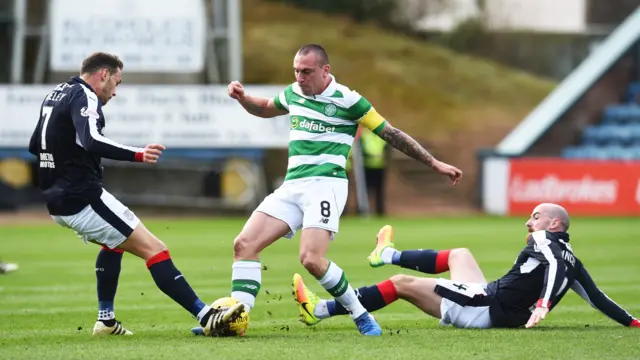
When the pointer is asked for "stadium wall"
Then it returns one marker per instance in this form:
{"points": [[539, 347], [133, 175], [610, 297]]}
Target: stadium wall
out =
{"points": [[526, 169], [587, 109]]}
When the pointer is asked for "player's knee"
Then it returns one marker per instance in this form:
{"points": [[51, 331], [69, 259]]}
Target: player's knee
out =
{"points": [[460, 255], [402, 283], [157, 245], [242, 248], [312, 262], [143, 243]]}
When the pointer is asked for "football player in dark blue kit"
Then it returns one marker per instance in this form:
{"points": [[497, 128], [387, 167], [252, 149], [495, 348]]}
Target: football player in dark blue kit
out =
{"points": [[542, 274], [69, 142]]}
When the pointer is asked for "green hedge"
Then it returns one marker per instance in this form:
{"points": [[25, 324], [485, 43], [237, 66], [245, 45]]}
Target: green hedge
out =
{"points": [[379, 11]]}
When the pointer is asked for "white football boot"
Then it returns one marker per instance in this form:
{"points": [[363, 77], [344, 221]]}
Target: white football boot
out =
{"points": [[6, 268], [219, 319], [100, 329]]}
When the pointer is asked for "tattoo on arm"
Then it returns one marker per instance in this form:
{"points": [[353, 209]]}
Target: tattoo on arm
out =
{"points": [[253, 108], [405, 143]]}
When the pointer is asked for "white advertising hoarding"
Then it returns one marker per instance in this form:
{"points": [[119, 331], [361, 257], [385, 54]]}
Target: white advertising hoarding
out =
{"points": [[146, 35], [174, 115]]}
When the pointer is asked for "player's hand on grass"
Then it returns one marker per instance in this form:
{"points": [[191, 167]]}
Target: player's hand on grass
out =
{"points": [[635, 323], [452, 172], [236, 90], [152, 153], [538, 315]]}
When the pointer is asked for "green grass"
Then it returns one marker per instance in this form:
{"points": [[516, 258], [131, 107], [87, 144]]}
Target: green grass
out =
{"points": [[48, 307]]}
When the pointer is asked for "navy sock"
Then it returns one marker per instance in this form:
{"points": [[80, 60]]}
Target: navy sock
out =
{"points": [[169, 279], [371, 297], [426, 261], [395, 258], [108, 265]]}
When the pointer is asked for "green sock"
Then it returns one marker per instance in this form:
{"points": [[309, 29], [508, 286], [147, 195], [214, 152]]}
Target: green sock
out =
{"points": [[336, 283]]}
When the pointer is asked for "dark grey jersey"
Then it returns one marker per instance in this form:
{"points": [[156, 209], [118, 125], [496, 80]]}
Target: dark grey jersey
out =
{"points": [[541, 275], [69, 142]]}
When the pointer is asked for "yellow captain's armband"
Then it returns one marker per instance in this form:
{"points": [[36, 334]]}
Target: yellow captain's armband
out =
{"points": [[373, 121]]}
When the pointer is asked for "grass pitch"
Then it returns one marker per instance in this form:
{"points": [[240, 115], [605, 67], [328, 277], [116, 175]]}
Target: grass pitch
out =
{"points": [[48, 307]]}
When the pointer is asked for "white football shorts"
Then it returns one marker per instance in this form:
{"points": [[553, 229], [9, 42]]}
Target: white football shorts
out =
{"points": [[308, 203]]}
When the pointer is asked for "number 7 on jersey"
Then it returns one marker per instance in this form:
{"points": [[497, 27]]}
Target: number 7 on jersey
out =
{"points": [[46, 114]]}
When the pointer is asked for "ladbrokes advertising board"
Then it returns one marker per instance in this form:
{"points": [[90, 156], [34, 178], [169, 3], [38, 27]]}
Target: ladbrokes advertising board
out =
{"points": [[584, 187]]}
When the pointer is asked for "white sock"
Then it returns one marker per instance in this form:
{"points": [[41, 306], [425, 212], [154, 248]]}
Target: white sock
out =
{"points": [[387, 255], [321, 311], [106, 315], [246, 277], [203, 312], [335, 282]]}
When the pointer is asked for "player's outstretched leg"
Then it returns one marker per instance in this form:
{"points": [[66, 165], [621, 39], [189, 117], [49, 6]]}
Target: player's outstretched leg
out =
{"points": [[313, 309], [171, 282], [425, 261], [313, 247], [260, 231], [107, 222], [108, 265], [418, 291]]}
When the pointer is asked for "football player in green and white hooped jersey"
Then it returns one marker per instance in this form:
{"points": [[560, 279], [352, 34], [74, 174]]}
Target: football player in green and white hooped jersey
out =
{"points": [[324, 119]]}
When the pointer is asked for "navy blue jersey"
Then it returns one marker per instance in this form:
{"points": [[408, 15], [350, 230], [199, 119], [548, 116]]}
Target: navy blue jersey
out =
{"points": [[69, 143], [541, 275]]}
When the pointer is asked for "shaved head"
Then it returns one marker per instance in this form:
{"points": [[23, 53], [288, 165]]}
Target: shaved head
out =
{"points": [[550, 217], [558, 212], [323, 58]]}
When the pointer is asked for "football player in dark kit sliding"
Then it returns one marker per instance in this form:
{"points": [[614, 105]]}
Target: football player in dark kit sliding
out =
{"points": [[542, 274]]}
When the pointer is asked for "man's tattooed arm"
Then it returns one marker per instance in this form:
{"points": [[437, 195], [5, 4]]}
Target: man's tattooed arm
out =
{"points": [[405, 143], [253, 108], [262, 107]]}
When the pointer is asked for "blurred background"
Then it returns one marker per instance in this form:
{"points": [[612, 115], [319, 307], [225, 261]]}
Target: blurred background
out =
{"points": [[535, 100]]}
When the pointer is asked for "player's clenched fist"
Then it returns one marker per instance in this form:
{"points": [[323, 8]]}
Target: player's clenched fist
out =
{"points": [[152, 153], [236, 90]]}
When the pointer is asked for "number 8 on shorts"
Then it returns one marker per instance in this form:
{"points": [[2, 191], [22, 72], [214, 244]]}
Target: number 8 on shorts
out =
{"points": [[324, 205]]}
